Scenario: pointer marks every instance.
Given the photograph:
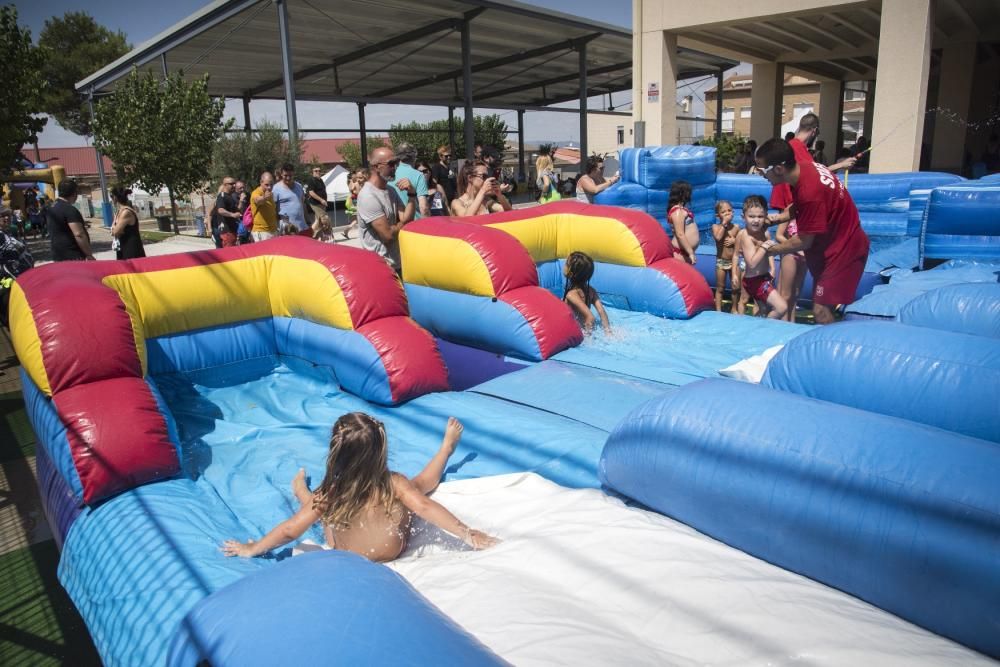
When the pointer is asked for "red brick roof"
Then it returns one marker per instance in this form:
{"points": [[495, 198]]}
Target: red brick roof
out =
{"points": [[326, 151], [82, 160], [76, 160]]}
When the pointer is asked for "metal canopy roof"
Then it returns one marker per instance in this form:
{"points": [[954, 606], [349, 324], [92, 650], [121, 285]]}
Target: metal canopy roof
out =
{"points": [[395, 51]]}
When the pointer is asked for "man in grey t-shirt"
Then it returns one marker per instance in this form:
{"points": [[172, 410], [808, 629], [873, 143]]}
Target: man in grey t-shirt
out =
{"points": [[381, 213]]}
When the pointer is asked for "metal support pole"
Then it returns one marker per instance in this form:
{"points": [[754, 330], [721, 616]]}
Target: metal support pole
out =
{"points": [[718, 104], [470, 128], [106, 203], [583, 106], [451, 128], [246, 114], [163, 64], [521, 173], [364, 134], [286, 69]]}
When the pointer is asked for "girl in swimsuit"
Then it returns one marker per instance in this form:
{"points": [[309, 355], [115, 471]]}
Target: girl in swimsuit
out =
{"points": [[580, 296], [793, 269], [363, 506], [683, 230]]}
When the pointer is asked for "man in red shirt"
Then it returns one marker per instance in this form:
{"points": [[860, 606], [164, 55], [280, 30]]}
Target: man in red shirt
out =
{"points": [[829, 229]]}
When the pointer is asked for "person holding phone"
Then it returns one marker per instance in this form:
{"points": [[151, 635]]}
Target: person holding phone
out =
{"points": [[480, 192]]}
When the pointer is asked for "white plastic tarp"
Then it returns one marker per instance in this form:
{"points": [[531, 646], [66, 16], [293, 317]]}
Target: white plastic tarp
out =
{"points": [[336, 184], [583, 579]]}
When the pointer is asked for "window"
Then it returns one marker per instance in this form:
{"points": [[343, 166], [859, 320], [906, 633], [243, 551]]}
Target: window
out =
{"points": [[728, 116], [744, 112], [801, 109], [621, 135]]}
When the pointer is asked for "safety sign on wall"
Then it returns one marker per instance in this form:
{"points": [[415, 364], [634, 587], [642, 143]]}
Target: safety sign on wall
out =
{"points": [[653, 92]]}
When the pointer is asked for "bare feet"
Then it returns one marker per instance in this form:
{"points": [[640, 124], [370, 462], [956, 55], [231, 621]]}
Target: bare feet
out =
{"points": [[452, 434], [300, 488]]}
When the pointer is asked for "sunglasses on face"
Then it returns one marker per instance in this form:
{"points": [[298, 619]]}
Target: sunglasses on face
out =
{"points": [[763, 172], [480, 175]]}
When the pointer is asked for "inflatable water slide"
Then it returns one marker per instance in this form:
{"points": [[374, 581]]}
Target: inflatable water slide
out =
{"points": [[174, 409]]}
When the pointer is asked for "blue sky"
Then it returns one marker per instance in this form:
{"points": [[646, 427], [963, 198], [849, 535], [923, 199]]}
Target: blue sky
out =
{"points": [[142, 19]]}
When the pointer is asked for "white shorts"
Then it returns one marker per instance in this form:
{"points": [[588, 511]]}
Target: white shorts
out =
{"points": [[261, 236]]}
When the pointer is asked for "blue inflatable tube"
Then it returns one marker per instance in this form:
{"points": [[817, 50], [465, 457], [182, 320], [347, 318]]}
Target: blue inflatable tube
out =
{"points": [[637, 288], [970, 308], [476, 321], [939, 378], [902, 515], [961, 223], [327, 608]]}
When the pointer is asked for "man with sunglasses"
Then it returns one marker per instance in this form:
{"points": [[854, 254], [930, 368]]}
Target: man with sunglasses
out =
{"points": [[829, 228], [381, 213]]}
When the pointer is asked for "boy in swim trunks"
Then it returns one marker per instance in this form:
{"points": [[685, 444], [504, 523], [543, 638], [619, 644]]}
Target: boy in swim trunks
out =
{"points": [[758, 283], [724, 232]]}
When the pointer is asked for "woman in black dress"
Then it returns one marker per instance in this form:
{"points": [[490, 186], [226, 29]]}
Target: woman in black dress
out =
{"points": [[126, 226]]}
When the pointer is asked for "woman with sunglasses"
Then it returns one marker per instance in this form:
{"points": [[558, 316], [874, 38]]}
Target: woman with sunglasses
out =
{"points": [[437, 199], [480, 192]]}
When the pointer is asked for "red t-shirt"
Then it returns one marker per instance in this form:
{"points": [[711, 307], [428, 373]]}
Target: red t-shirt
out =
{"points": [[824, 209], [781, 196]]}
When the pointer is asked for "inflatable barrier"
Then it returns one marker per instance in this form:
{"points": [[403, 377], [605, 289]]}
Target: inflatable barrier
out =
{"points": [[890, 205], [496, 282], [969, 308], [944, 379], [961, 223], [902, 515], [335, 608], [111, 431]]}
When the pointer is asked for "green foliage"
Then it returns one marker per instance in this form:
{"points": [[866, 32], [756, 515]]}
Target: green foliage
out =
{"points": [[245, 156], [489, 130], [728, 148], [21, 95], [159, 133], [74, 47], [351, 151]]}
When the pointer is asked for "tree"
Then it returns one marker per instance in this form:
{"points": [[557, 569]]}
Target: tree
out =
{"points": [[74, 47], [21, 97], [160, 133], [488, 130], [245, 156], [727, 149], [351, 151]]}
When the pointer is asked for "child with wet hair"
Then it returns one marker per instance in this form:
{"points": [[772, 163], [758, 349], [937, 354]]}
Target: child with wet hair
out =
{"points": [[365, 507], [726, 262], [758, 282], [683, 230], [580, 296]]}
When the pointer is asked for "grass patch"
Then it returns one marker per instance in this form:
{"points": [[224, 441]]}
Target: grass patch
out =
{"points": [[38, 623], [154, 237]]}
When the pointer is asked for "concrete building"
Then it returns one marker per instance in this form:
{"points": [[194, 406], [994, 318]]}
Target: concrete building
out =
{"points": [[932, 67], [800, 95], [607, 134]]}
